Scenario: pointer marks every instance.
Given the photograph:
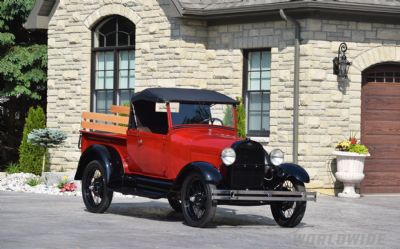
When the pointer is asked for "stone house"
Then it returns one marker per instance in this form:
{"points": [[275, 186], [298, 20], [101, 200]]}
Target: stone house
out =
{"points": [[100, 52]]}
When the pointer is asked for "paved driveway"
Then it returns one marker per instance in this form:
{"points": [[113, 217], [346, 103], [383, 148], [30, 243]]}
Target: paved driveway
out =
{"points": [[43, 221]]}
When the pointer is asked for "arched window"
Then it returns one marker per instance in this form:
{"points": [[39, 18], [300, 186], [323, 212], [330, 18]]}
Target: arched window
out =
{"points": [[113, 63]]}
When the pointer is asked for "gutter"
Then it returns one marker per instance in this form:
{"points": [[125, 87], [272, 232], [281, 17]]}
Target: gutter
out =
{"points": [[336, 10], [296, 85]]}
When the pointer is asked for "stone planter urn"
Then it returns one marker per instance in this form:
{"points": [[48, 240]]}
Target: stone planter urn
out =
{"points": [[350, 167]]}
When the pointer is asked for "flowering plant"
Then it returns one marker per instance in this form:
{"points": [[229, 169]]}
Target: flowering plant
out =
{"points": [[69, 187], [65, 186], [352, 145]]}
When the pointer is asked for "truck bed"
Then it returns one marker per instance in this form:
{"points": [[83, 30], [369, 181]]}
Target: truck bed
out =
{"points": [[105, 129]]}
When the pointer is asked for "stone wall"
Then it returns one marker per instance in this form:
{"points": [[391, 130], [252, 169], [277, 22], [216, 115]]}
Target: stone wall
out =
{"points": [[329, 110], [161, 46], [185, 53]]}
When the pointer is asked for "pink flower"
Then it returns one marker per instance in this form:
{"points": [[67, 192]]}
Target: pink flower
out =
{"points": [[68, 187]]}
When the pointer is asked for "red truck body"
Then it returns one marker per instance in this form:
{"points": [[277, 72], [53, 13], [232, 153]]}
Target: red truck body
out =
{"points": [[164, 156]]}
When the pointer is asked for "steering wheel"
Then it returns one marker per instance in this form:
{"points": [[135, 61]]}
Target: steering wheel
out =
{"points": [[207, 120]]}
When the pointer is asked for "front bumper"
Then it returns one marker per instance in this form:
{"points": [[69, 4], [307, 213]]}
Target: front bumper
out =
{"points": [[261, 195]]}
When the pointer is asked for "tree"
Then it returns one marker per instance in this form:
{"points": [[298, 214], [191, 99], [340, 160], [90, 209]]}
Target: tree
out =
{"points": [[30, 155], [46, 138], [23, 66]]}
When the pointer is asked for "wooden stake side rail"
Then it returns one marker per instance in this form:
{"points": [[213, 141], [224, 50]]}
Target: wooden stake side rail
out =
{"points": [[114, 123], [117, 109]]}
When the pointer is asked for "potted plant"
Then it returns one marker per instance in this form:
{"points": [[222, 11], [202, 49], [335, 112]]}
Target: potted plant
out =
{"points": [[350, 156]]}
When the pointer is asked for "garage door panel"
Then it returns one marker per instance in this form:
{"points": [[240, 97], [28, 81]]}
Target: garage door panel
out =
{"points": [[377, 178], [380, 189], [376, 165], [386, 89], [382, 103], [384, 115], [381, 128], [384, 151], [381, 139]]}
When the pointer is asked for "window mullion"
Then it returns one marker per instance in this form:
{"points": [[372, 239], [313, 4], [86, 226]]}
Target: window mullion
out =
{"points": [[116, 77], [261, 93]]}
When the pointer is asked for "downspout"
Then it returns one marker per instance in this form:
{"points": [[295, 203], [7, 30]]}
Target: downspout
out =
{"points": [[297, 40]]}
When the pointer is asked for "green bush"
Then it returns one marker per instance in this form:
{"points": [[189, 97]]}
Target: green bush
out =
{"points": [[13, 168], [241, 119], [30, 156], [228, 120]]}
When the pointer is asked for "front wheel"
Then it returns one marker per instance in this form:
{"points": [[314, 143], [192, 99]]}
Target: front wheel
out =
{"points": [[289, 213], [96, 195], [197, 206], [175, 204]]}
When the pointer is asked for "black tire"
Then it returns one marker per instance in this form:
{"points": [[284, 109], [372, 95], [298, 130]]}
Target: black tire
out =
{"points": [[289, 213], [197, 206], [95, 193], [175, 203]]}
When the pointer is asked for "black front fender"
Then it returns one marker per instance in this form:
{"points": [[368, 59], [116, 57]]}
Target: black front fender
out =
{"points": [[294, 170], [209, 172], [110, 161]]}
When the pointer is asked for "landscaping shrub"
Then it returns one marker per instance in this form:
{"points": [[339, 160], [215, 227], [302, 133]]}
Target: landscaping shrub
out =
{"points": [[241, 119], [228, 120], [30, 156], [46, 138]]}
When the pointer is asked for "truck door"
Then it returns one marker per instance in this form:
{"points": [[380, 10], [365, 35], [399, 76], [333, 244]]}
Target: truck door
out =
{"points": [[147, 143]]}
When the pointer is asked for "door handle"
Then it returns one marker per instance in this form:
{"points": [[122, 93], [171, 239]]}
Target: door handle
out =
{"points": [[140, 141]]}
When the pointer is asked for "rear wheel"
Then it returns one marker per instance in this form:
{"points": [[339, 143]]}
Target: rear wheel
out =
{"points": [[289, 213], [96, 195], [197, 206]]}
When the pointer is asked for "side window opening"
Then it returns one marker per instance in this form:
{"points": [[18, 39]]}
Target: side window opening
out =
{"points": [[148, 120]]}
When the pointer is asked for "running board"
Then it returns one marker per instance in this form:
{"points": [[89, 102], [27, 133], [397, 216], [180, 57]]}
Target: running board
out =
{"points": [[257, 195]]}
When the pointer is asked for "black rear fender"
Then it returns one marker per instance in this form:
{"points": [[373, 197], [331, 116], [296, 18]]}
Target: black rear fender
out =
{"points": [[291, 170], [109, 159], [207, 170]]}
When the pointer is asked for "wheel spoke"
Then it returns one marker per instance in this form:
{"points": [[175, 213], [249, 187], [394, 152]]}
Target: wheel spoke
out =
{"points": [[195, 199], [287, 208]]}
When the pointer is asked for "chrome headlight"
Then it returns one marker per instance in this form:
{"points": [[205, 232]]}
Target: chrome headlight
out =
{"points": [[277, 157], [228, 156]]}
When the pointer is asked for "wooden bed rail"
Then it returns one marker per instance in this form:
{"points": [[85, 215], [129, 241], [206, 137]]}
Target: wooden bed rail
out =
{"points": [[114, 123]]}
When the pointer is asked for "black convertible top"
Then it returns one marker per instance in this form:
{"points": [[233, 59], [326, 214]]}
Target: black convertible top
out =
{"points": [[162, 95]]}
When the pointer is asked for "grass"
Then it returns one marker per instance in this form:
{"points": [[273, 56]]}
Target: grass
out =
{"points": [[13, 168], [33, 181]]}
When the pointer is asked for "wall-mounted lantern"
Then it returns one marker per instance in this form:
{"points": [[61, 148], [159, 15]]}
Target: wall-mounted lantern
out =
{"points": [[340, 64]]}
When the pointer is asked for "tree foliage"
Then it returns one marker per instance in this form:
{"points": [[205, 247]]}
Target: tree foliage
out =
{"points": [[23, 57], [47, 138], [23, 66], [30, 155], [241, 119]]}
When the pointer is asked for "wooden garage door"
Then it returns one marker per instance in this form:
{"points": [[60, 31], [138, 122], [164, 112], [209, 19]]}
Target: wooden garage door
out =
{"points": [[380, 128]]}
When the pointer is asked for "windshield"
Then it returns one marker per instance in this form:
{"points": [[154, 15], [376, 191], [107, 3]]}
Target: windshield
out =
{"points": [[213, 114]]}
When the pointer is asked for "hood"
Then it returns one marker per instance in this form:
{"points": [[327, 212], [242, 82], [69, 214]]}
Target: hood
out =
{"points": [[205, 144]]}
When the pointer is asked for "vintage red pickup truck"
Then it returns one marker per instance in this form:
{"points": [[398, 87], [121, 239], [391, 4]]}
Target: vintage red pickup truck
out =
{"points": [[182, 144]]}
